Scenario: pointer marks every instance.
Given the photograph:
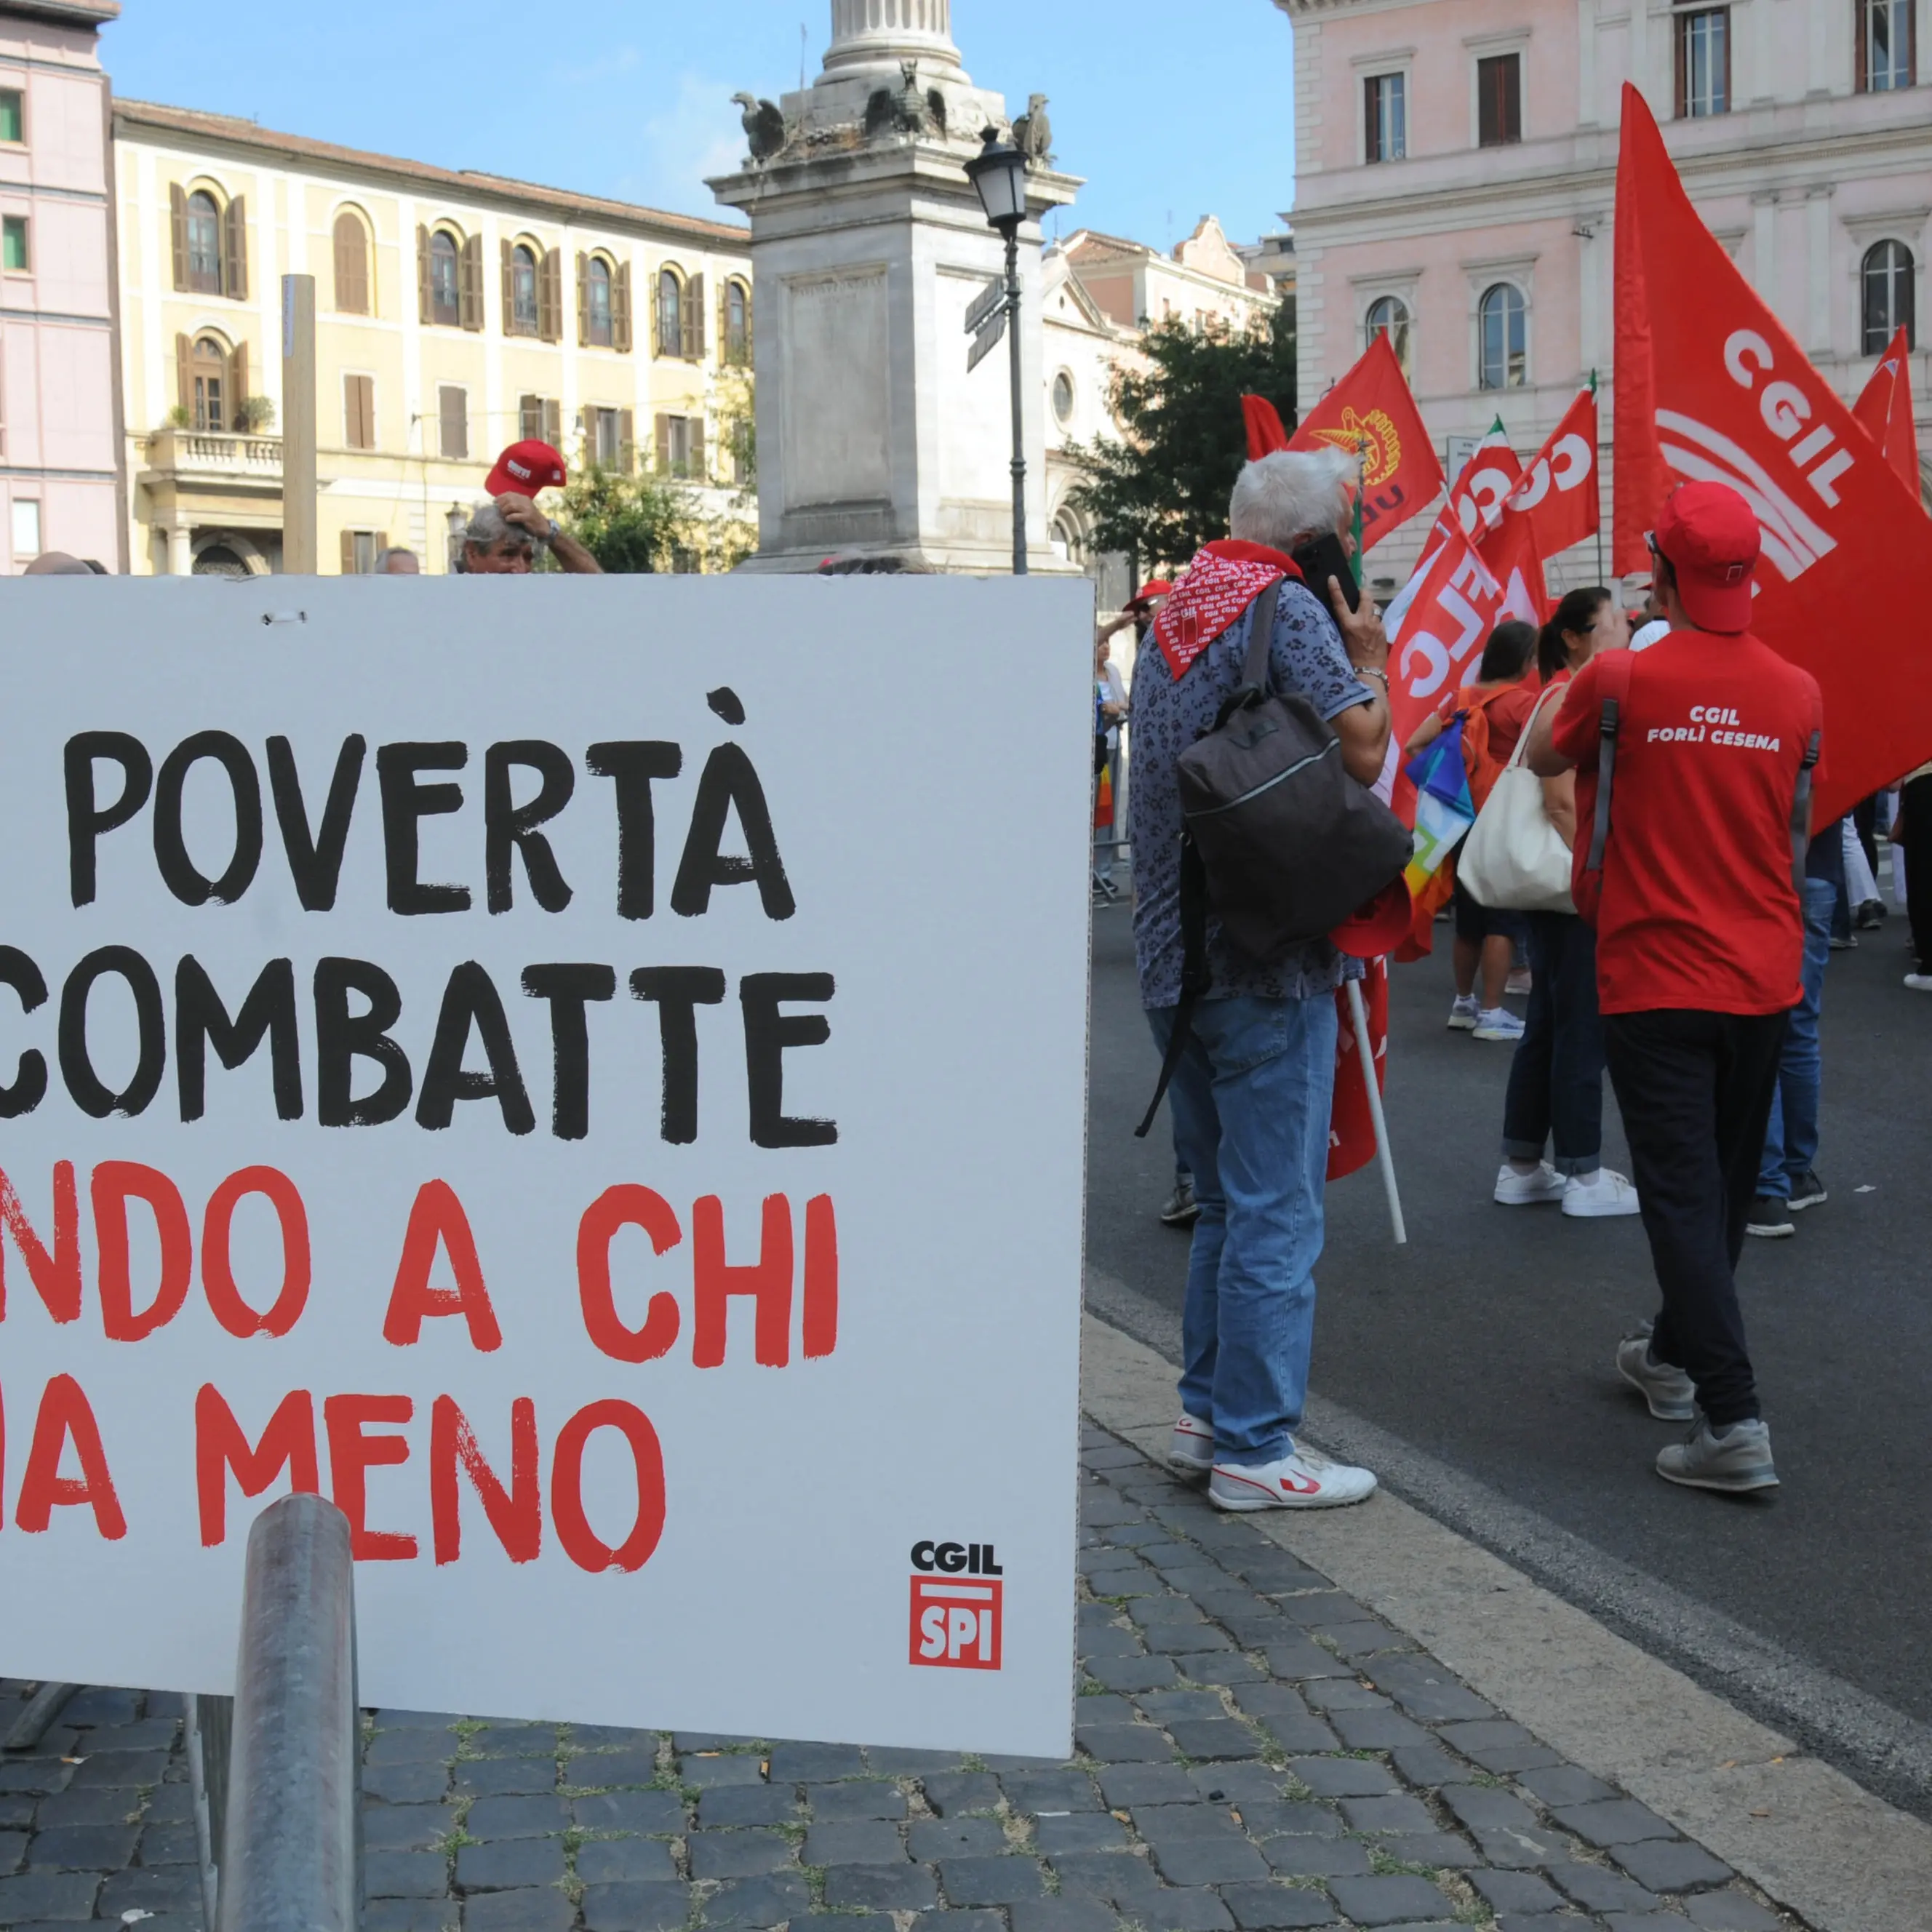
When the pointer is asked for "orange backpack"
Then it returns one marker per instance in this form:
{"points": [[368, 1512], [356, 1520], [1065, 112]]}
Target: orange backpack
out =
{"points": [[1482, 764]]}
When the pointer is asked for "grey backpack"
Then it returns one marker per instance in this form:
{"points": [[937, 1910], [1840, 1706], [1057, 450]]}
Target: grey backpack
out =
{"points": [[1279, 843]]}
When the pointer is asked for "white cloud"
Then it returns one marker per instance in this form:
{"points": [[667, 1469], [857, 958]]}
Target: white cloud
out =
{"points": [[604, 67], [698, 134]]}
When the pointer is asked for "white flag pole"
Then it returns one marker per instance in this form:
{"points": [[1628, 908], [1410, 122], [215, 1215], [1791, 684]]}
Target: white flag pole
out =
{"points": [[1365, 1052]]}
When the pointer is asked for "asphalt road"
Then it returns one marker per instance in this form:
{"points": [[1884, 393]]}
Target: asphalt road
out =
{"points": [[1487, 1344]]}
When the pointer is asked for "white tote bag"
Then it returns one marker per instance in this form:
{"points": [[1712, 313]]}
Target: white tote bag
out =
{"points": [[1513, 858]]}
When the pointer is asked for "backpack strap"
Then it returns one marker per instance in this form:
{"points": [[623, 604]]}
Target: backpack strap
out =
{"points": [[1800, 814], [1617, 668], [1195, 977], [1254, 683]]}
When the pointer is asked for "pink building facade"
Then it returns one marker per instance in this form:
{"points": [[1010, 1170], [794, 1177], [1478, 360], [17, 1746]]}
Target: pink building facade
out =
{"points": [[59, 440], [1456, 165]]}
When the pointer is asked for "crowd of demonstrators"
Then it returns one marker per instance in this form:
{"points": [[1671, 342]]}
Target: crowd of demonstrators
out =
{"points": [[1700, 943], [1251, 1093], [1555, 1098], [1492, 712]]}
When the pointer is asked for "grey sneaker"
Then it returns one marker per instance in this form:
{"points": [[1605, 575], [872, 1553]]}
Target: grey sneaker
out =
{"points": [[1180, 1209], [1668, 1390], [1737, 1459]]}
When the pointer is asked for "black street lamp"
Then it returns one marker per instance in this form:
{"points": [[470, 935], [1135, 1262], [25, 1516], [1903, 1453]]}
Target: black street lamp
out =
{"points": [[998, 172]]}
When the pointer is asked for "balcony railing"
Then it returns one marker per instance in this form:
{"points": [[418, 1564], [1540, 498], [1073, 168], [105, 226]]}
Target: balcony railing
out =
{"points": [[216, 455]]}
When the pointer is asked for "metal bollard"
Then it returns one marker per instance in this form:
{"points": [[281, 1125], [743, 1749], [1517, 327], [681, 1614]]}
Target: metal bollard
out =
{"points": [[291, 1858]]}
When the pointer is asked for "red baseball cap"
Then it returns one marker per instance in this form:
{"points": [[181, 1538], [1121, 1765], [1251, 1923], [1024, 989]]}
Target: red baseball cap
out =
{"points": [[1710, 536], [524, 468], [1155, 586]]}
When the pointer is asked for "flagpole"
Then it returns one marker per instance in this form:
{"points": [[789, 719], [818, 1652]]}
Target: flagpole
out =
{"points": [[1596, 483], [1365, 1052]]}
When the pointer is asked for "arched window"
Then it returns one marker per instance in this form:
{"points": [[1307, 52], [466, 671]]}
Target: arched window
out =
{"points": [[670, 313], [1388, 315], [352, 265], [209, 404], [445, 296], [204, 244], [597, 303], [1502, 346], [737, 322], [1888, 305], [523, 290]]}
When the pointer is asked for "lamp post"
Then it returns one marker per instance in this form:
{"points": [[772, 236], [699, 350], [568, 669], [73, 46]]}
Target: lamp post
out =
{"points": [[998, 172]]}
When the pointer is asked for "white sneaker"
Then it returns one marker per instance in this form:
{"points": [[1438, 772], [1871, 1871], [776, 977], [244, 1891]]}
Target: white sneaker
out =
{"points": [[1463, 1013], [1497, 1023], [1919, 982], [1303, 1479], [1190, 1449], [1606, 1192], [1526, 1190]]}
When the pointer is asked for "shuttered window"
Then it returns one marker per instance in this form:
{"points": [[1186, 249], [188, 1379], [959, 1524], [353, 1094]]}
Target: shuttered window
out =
{"points": [[13, 116], [594, 294], [1703, 53], [446, 303], [16, 253], [737, 323], [1499, 101], [520, 290], [1385, 117], [204, 244], [670, 314], [1886, 56], [362, 550], [352, 265], [358, 412], [453, 422]]}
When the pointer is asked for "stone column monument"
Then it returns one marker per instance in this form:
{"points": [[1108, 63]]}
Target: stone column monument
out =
{"points": [[868, 246]]}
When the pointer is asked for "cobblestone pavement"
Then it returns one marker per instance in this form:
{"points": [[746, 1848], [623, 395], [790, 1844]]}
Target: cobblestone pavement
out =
{"points": [[1255, 1751]]}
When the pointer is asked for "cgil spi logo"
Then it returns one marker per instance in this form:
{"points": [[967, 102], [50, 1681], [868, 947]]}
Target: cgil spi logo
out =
{"points": [[956, 1591]]}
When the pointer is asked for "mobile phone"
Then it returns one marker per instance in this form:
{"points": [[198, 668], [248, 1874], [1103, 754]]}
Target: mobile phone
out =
{"points": [[1323, 557]]}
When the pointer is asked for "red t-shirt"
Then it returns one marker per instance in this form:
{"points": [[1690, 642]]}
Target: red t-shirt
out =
{"points": [[1698, 909], [1508, 708]]}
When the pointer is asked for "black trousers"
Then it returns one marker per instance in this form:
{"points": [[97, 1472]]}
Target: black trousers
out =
{"points": [[1695, 1091], [1914, 807]]}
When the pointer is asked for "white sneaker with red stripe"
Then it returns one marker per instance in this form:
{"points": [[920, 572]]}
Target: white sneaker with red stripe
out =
{"points": [[1303, 1479], [1190, 1449]]}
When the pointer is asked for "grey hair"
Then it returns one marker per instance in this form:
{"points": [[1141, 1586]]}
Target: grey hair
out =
{"points": [[487, 525], [394, 551], [1289, 495]]}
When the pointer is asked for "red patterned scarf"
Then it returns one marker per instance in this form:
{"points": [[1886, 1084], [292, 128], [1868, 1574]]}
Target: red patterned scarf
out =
{"points": [[1223, 579]]}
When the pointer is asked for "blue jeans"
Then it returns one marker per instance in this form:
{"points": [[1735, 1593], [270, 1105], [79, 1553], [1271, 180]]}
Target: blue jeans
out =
{"points": [[1791, 1141], [1250, 1100]]}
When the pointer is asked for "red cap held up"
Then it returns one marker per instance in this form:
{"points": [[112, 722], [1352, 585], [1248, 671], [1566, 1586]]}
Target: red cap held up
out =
{"points": [[1710, 536], [524, 468]]}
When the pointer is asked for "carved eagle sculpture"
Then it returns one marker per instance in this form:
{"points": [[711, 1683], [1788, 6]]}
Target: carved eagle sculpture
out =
{"points": [[763, 124], [910, 110], [1033, 132]]}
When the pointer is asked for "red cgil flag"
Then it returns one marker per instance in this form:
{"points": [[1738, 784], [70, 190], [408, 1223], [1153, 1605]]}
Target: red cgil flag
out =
{"points": [[1884, 412], [1514, 554], [1558, 490], [1371, 412], [1711, 386]]}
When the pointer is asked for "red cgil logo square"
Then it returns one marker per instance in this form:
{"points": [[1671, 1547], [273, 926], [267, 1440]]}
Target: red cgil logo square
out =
{"points": [[956, 1622]]}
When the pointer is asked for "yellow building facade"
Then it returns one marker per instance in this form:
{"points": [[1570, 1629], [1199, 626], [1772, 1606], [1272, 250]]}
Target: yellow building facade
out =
{"points": [[455, 313]]}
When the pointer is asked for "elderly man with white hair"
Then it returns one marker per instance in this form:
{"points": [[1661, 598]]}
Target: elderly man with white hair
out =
{"points": [[502, 539], [1251, 1095]]}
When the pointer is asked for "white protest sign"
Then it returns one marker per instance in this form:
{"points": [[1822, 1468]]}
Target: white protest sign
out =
{"points": [[589, 1074]]}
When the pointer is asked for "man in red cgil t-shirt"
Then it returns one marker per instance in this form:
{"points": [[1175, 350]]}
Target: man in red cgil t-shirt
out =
{"points": [[1699, 935]]}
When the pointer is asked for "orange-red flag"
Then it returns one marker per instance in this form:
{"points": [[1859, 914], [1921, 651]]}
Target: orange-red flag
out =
{"points": [[1884, 412], [1558, 490], [1262, 421], [1371, 411], [1514, 554], [1710, 385]]}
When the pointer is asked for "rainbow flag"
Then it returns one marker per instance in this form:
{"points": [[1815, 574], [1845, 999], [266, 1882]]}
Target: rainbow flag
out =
{"points": [[1444, 809]]}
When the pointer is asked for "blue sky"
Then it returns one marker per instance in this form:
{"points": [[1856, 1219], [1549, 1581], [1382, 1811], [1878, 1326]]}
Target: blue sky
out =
{"points": [[1169, 112]]}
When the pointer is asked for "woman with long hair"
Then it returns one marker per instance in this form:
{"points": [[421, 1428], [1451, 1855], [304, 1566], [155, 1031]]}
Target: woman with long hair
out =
{"points": [[1555, 1095]]}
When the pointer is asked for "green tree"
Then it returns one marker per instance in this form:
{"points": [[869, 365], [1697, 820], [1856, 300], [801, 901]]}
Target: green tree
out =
{"points": [[628, 523], [1162, 492]]}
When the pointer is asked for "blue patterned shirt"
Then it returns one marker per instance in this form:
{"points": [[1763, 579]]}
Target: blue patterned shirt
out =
{"points": [[1165, 718]]}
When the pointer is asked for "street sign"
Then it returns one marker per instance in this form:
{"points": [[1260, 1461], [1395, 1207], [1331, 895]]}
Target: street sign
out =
{"points": [[462, 1055], [992, 296], [987, 340]]}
